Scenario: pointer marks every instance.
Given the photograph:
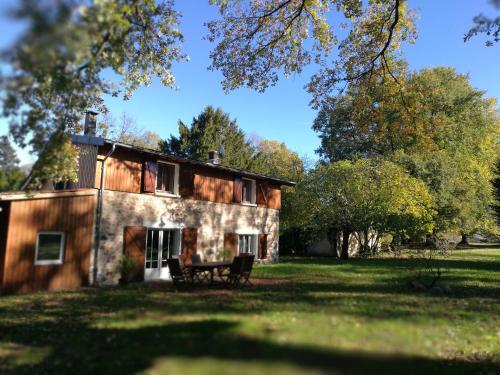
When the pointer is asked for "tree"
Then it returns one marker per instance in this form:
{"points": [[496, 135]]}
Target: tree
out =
{"points": [[258, 39], [11, 176], [436, 125], [274, 159], [8, 157], [486, 25], [212, 130], [496, 189], [128, 132], [56, 65], [366, 198]]}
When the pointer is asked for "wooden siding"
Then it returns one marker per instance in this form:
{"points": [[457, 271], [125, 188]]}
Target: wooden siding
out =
{"points": [[125, 171], [72, 215], [87, 157], [274, 197], [213, 188], [4, 221]]}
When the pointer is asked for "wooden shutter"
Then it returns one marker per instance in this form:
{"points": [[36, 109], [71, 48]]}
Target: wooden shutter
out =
{"points": [[134, 246], [262, 246], [261, 194], [231, 242], [189, 238], [237, 190], [186, 181], [149, 176]]}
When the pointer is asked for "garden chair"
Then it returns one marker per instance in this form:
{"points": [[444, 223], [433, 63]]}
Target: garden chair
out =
{"points": [[232, 278], [199, 275], [179, 277], [246, 270]]}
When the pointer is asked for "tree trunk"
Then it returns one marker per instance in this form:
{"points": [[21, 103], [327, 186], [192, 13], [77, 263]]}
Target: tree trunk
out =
{"points": [[464, 240], [332, 235], [345, 244]]}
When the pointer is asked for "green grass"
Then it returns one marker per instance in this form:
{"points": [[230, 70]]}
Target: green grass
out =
{"points": [[311, 316]]}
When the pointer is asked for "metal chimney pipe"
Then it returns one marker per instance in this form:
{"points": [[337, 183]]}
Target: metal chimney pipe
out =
{"points": [[90, 127], [213, 157]]}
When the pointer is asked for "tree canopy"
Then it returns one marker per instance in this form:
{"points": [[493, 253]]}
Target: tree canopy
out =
{"points": [[212, 130], [11, 176], [368, 197], [432, 122], [56, 65]]}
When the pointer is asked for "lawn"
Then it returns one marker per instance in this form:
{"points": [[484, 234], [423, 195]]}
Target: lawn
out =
{"points": [[307, 316]]}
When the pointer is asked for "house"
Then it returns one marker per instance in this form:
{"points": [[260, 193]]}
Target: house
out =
{"points": [[138, 202]]}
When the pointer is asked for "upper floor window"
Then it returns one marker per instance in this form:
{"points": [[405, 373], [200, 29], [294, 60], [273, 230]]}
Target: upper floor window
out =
{"points": [[167, 178], [248, 191], [49, 248]]}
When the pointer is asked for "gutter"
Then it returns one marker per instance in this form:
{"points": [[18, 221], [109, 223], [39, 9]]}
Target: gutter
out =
{"points": [[99, 215]]}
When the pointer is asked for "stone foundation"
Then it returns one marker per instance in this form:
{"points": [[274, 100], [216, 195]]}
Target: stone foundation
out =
{"points": [[211, 219]]}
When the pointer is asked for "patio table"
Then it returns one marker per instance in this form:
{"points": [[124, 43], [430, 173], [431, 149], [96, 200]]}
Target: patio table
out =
{"points": [[209, 267]]}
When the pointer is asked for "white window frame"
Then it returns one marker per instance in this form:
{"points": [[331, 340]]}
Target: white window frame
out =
{"points": [[62, 245], [253, 244], [176, 180], [253, 193]]}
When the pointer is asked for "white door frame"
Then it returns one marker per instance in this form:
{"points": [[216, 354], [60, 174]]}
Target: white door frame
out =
{"points": [[160, 273]]}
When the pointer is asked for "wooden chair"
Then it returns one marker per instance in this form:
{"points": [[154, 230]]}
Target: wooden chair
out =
{"points": [[195, 258], [246, 270], [179, 277], [233, 278]]}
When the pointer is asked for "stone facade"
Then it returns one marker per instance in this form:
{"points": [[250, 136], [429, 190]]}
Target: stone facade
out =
{"points": [[153, 211]]}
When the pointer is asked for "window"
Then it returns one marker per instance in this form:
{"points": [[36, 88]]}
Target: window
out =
{"points": [[248, 191], [49, 248], [166, 179], [247, 243]]}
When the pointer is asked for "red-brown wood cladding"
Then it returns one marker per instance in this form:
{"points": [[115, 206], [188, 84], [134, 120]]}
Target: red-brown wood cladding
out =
{"points": [[189, 239], [213, 188], [134, 246], [4, 224], [231, 242], [73, 215], [127, 171]]}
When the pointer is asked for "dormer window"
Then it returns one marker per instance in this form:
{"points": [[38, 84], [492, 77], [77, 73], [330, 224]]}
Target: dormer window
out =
{"points": [[248, 191], [167, 178]]}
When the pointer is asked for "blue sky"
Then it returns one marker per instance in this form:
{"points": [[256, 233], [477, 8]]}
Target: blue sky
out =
{"points": [[282, 112]]}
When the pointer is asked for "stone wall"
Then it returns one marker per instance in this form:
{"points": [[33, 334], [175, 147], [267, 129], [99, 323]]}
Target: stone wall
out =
{"points": [[212, 220]]}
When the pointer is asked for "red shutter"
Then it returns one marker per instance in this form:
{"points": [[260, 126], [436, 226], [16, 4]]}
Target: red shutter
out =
{"points": [[186, 181], [261, 194], [149, 176], [134, 245], [262, 246], [189, 238], [237, 190], [231, 242]]}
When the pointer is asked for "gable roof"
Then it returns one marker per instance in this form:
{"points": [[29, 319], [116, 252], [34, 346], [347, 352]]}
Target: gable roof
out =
{"points": [[99, 141]]}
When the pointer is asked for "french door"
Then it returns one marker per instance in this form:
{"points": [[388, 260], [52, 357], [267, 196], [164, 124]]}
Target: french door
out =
{"points": [[161, 244]]}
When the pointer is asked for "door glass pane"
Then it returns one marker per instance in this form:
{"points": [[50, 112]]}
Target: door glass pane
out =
{"points": [[154, 249], [165, 253]]}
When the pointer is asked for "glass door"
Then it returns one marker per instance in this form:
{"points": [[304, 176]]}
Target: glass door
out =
{"points": [[161, 244]]}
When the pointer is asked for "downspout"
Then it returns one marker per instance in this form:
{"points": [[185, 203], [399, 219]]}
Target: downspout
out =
{"points": [[99, 214]]}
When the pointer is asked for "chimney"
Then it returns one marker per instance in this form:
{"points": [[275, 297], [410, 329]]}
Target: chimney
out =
{"points": [[213, 157], [90, 127]]}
